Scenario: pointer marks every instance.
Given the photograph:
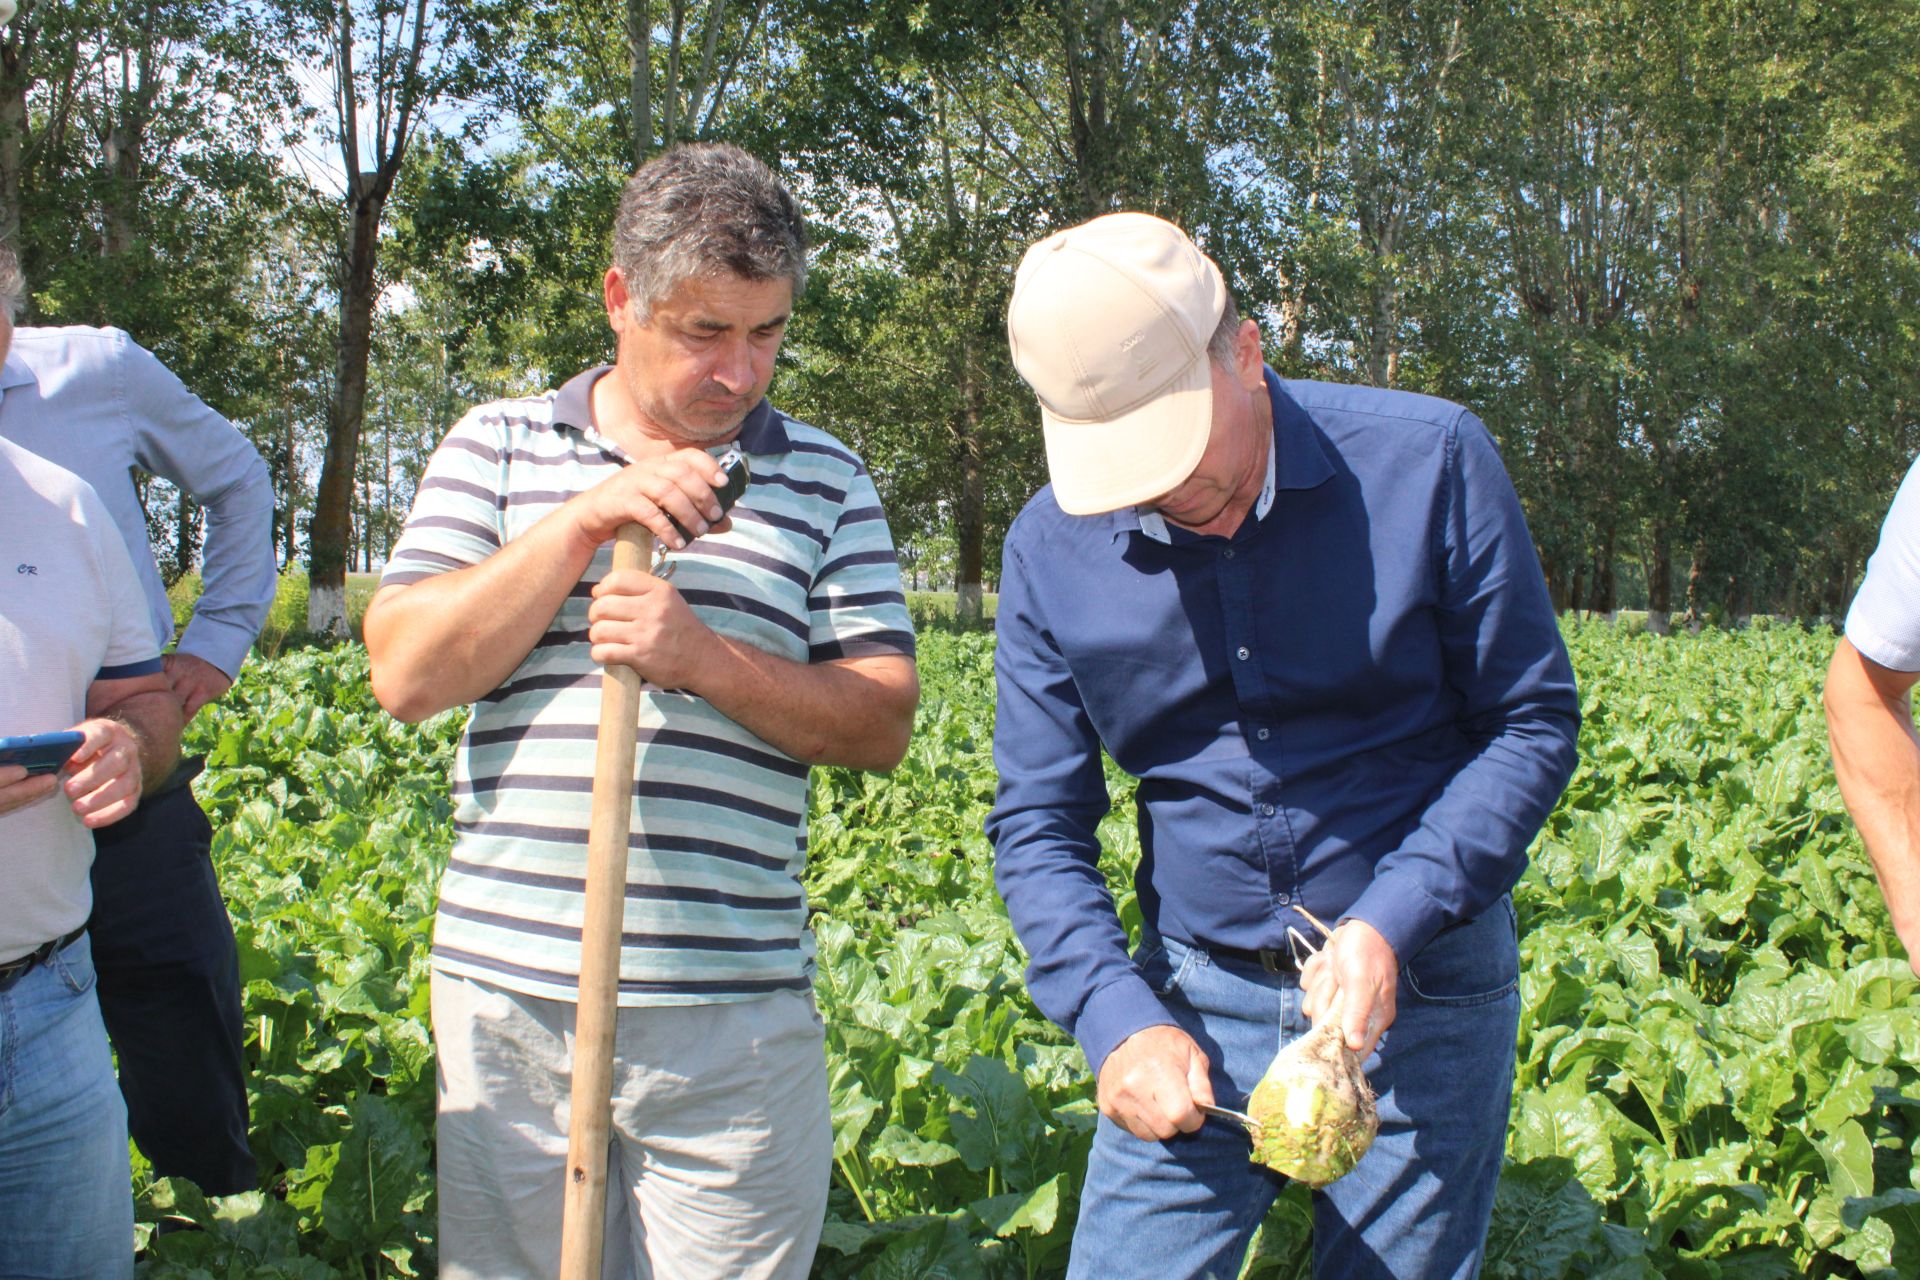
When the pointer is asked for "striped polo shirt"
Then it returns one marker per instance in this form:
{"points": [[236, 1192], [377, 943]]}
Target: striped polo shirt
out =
{"points": [[714, 906]]}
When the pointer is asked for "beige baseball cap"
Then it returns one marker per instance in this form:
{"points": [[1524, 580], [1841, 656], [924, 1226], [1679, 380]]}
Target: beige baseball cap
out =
{"points": [[1109, 325]]}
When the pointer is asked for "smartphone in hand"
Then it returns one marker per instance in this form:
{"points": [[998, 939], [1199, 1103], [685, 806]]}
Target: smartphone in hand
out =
{"points": [[734, 464], [41, 752]]}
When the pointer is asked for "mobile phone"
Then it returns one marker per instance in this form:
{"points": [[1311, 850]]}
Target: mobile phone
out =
{"points": [[41, 752], [734, 463]]}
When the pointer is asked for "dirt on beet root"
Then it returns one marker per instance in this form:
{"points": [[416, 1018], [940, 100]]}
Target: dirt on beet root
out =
{"points": [[1315, 1109]]}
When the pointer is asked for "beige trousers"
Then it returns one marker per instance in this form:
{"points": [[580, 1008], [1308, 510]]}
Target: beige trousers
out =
{"points": [[722, 1143]]}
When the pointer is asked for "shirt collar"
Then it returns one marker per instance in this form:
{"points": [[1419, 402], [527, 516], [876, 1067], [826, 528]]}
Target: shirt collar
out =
{"points": [[1296, 461], [15, 373], [573, 403], [1154, 525], [762, 431], [1303, 462]]}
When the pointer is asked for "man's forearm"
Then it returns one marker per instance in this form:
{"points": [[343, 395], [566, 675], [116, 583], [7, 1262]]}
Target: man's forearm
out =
{"points": [[450, 640], [854, 712], [155, 721], [1876, 758]]}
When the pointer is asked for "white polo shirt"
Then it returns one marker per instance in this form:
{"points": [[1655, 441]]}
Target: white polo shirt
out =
{"points": [[1884, 623], [71, 612]]}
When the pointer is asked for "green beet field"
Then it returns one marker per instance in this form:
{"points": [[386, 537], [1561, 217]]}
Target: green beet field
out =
{"points": [[1716, 1059]]}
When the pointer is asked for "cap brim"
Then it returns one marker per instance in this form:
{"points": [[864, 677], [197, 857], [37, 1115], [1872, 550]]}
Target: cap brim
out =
{"points": [[1104, 465]]}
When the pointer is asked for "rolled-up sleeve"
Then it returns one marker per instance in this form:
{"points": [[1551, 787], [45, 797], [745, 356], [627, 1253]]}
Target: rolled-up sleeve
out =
{"points": [[1884, 622], [1519, 712], [1049, 803], [182, 440]]}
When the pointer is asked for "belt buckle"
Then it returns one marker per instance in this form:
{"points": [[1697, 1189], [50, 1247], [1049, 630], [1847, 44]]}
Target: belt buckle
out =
{"points": [[1270, 961]]}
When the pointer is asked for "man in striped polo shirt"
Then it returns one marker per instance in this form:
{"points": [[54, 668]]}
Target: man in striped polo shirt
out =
{"points": [[781, 641]]}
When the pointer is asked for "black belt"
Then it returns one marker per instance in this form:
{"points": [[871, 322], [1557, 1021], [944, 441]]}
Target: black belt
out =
{"points": [[14, 970], [1280, 961]]}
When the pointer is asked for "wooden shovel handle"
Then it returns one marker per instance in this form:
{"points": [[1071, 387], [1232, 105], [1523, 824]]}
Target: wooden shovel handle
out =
{"points": [[583, 1226]]}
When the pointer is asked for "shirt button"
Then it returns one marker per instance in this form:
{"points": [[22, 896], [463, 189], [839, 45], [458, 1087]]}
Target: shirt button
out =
{"points": [[1284, 899], [1244, 653], [1228, 553], [1266, 811], [1263, 734]]}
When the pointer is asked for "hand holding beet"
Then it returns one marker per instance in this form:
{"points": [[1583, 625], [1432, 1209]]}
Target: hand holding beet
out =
{"points": [[1314, 1108]]}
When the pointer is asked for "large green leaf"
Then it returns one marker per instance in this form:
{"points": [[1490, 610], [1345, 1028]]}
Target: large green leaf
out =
{"points": [[1545, 1224], [1567, 1120], [998, 1120], [1894, 1250], [381, 1160], [897, 1146], [940, 1250], [852, 1112], [1849, 1157], [1016, 1211]]}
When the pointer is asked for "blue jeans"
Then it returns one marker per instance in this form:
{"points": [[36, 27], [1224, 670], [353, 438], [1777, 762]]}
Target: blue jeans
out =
{"points": [[66, 1197], [1417, 1206]]}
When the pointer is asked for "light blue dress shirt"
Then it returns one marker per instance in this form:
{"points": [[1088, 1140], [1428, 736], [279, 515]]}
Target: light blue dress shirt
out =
{"points": [[1884, 623], [97, 403]]}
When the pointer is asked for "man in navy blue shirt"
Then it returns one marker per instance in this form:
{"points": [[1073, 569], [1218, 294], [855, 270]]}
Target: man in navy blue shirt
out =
{"points": [[1309, 619]]}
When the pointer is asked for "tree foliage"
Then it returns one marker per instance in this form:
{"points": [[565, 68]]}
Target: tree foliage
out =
{"points": [[1670, 252]]}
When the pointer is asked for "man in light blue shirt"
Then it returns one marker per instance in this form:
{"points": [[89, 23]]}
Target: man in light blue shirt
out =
{"points": [[1876, 755], [96, 403]]}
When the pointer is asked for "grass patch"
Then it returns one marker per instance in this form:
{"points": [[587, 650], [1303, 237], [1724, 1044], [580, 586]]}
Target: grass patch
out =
{"points": [[939, 610], [286, 624]]}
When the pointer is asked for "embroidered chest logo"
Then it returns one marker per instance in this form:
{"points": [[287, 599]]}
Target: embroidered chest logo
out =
{"points": [[31, 570]]}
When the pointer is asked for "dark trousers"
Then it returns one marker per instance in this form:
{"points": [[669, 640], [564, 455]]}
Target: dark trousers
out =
{"points": [[170, 992]]}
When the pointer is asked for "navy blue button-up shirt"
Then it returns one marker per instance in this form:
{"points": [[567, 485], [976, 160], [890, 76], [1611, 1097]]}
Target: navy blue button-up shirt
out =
{"points": [[1359, 703]]}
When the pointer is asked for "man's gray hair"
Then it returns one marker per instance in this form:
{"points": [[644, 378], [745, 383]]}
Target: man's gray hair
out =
{"points": [[1220, 345], [705, 209], [13, 285]]}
